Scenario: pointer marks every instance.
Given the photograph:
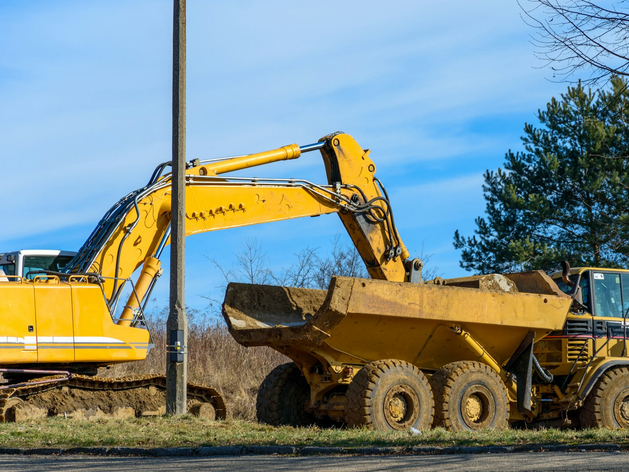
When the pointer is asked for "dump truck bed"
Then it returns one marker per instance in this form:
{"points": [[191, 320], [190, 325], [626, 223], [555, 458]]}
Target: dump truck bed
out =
{"points": [[357, 321]]}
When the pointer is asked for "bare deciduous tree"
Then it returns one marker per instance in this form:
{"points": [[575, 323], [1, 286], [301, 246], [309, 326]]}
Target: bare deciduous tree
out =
{"points": [[429, 272], [309, 270], [251, 265], [343, 261], [579, 35]]}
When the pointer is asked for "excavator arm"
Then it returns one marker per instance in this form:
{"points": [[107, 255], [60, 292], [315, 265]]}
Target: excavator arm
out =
{"points": [[136, 229]]}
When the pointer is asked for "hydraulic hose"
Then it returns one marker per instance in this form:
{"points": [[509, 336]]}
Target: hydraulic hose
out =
{"points": [[542, 372]]}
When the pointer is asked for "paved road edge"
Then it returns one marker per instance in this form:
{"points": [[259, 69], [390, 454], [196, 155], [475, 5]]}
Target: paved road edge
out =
{"points": [[205, 451]]}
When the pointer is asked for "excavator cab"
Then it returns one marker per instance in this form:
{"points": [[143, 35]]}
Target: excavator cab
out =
{"points": [[28, 262]]}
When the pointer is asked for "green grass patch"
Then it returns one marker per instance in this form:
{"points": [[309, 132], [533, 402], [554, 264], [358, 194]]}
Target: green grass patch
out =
{"points": [[193, 432]]}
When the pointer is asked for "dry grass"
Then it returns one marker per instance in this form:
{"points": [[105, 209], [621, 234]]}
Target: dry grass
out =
{"points": [[214, 359]]}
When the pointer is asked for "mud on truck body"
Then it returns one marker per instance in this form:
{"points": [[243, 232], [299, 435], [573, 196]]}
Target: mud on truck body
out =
{"points": [[466, 354]]}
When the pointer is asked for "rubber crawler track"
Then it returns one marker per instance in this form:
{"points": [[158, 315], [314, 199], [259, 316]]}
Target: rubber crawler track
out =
{"points": [[195, 392]]}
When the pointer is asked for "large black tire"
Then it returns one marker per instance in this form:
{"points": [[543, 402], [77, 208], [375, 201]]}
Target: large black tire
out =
{"points": [[607, 405], [469, 396], [282, 398], [389, 395]]}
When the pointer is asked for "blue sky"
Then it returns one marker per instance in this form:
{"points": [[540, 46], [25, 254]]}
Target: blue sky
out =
{"points": [[438, 91]]}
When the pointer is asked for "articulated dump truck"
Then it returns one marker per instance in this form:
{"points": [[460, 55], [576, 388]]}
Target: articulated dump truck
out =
{"points": [[466, 354]]}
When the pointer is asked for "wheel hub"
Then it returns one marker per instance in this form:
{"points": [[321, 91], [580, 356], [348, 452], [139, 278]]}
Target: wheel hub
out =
{"points": [[401, 407], [397, 407], [477, 407], [474, 407], [621, 409]]}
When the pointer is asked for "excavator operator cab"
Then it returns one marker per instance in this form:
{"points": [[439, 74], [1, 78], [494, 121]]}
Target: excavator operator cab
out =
{"points": [[28, 262]]}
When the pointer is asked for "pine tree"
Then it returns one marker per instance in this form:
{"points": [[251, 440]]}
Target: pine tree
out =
{"points": [[566, 196]]}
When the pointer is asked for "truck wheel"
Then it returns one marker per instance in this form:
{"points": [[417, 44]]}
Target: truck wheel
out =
{"points": [[469, 396], [389, 395], [607, 405], [282, 398]]}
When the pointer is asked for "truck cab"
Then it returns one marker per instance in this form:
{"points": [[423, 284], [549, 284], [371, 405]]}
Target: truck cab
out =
{"points": [[603, 293], [593, 346], [596, 327], [26, 262]]}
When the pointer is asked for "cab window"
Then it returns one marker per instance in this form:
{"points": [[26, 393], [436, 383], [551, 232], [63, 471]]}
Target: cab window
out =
{"points": [[583, 292], [7, 269], [607, 294], [39, 263], [625, 292]]}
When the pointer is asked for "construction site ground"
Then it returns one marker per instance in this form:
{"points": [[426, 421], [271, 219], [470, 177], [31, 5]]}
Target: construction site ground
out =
{"points": [[89, 398], [188, 435]]}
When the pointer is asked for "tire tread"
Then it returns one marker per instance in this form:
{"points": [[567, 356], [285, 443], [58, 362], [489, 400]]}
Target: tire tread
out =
{"points": [[359, 406], [269, 399], [592, 413], [443, 382]]}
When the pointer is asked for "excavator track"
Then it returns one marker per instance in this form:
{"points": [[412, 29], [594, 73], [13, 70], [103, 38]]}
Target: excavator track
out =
{"points": [[82, 396]]}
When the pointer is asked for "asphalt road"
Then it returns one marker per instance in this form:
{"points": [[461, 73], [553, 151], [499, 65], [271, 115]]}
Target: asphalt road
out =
{"points": [[546, 461]]}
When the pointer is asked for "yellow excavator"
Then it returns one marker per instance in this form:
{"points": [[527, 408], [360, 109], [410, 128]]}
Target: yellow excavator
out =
{"points": [[59, 326]]}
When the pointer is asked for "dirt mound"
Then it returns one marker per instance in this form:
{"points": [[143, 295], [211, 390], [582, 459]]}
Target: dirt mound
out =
{"points": [[67, 401], [84, 397]]}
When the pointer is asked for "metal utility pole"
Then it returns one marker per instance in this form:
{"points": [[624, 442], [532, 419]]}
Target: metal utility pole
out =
{"points": [[177, 324]]}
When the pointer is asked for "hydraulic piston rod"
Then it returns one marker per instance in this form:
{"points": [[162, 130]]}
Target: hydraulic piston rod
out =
{"points": [[292, 151], [484, 356]]}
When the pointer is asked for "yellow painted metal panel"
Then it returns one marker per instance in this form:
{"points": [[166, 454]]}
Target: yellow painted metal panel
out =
{"points": [[371, 319], [458, 305], [17, 313], [97, 338], [55, 333]]}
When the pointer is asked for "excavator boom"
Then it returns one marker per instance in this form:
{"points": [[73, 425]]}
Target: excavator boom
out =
{"points": [[137, 228]]}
